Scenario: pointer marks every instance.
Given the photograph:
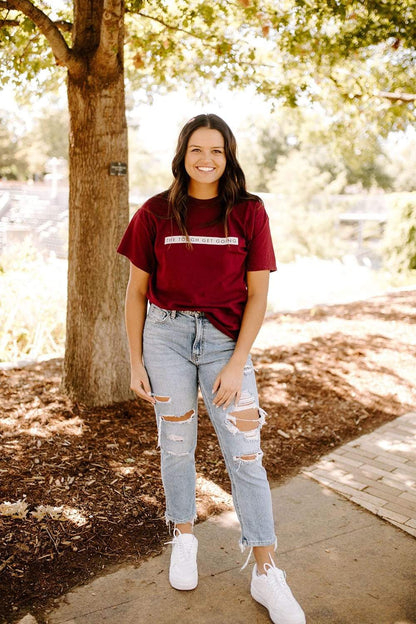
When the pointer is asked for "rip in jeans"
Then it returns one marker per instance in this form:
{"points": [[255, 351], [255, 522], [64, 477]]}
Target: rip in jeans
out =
{"points": [[180, 420], [246, 418]]}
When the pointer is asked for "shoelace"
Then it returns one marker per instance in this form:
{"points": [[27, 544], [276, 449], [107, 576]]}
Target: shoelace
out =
{"points": [[184, 550], [277, 579], [248, 558], [250, 552]]}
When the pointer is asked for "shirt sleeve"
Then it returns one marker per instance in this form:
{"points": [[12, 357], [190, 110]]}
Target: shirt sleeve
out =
{"points": [[260, 255], [138, 240]]}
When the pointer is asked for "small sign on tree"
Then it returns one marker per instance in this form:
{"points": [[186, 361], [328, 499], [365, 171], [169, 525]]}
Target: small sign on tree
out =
{"points": [[118, 168]]}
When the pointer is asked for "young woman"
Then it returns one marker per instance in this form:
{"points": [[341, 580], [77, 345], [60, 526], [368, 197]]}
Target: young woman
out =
{"points": [[201, 254]]}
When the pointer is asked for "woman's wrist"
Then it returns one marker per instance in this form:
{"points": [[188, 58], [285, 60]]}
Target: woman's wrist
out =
{"points": [[239, 359], [136, 363]]}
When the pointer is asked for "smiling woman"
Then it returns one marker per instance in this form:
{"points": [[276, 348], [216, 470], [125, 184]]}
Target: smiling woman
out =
{"points": [[200, 254]]}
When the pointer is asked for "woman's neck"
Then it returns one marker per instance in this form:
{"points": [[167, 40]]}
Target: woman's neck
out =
{"points": [[202, 191]]}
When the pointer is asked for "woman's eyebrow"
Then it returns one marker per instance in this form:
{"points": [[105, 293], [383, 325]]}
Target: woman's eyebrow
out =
{"points": [[213, 147]]}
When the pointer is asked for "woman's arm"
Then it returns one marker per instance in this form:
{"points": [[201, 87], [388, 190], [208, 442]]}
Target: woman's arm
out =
{"points": [[228, 383], [135, 315]]}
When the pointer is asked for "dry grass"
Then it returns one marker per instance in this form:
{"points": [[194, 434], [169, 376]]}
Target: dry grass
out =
{"points": [[32, 304]]}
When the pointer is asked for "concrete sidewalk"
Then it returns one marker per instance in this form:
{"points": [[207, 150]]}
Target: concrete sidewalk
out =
{"points": [[344, 564]]}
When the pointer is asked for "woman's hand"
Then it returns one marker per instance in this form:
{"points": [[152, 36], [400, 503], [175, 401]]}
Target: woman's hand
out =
{"points": [[139, 383], [227, 385]]}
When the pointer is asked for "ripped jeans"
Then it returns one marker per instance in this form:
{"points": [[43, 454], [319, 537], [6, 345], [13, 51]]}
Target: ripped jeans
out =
{"points": [[183, 351]]}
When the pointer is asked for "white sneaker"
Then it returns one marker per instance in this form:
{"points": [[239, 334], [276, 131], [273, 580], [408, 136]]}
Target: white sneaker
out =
{"points": [[272, 591], [183, 571]]}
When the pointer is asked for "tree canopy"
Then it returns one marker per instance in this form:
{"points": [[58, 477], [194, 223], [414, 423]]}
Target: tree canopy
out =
{"points": [[352, 60], [350, 57]]}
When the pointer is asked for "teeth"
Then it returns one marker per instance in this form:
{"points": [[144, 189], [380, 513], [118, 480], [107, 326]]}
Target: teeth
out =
{"points": [[205, 168]]}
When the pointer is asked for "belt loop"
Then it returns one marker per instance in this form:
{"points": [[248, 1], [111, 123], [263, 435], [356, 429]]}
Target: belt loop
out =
{"points": [[173, 314]]}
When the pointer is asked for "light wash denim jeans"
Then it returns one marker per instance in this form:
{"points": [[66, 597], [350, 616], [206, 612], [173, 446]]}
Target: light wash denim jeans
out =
{"points": [[181, 351]]}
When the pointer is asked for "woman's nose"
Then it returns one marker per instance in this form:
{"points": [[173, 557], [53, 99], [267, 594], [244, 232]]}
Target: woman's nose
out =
{"points": [[206, 156]]}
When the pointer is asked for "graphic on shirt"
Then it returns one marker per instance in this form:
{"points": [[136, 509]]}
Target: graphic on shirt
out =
{"points": [[202, 240]]}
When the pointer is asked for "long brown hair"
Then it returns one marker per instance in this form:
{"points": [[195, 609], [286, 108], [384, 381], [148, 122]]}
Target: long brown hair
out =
{"points": [[231, 185]]}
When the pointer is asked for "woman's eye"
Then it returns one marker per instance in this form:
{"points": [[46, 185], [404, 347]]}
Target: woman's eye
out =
{"points": [[194, 149]]}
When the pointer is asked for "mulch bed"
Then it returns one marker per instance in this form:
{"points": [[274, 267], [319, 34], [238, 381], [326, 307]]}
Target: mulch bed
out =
{"points": [[325, 376]]}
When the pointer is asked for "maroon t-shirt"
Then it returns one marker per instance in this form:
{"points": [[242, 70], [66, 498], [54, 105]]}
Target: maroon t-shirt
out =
{"points": [[210, 277]]}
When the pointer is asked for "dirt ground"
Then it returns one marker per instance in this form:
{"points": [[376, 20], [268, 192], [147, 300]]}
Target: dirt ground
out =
{"points": [[80, 490]]}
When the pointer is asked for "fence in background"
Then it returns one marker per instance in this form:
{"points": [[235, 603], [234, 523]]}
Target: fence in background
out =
{"points": [[40, 211]]}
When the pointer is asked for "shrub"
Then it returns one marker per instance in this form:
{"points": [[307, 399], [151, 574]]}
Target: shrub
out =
{"points": [[32, 304], [399, 241]]}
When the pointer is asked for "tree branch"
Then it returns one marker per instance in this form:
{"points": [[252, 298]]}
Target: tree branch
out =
{"points": [[64, 25], [195, 36], [61, 24], [170, 26], [60, 49], [397, 97], [394, 96], [9, 22], [109, 54]]}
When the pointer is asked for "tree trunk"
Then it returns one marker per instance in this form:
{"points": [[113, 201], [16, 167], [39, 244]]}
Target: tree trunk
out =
{"points": [[96, 358]]}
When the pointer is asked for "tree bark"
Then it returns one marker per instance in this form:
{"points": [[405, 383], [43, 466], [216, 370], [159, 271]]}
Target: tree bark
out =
{"points": [[96, 359], [96, 370]]}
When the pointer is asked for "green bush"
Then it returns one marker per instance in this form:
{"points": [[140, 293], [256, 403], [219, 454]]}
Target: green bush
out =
{"points": [[32, 303], [300, 231], [399, 241]]}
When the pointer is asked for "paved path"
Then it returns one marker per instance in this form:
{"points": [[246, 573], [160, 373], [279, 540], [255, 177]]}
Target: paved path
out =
{"points": [[344, 564], [377, 471]]}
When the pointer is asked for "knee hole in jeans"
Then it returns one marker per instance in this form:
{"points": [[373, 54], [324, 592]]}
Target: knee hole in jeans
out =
{"points": [[248, 458], [162, 399], [179, 419], [178, 435], [245, 417], [247, 420]]}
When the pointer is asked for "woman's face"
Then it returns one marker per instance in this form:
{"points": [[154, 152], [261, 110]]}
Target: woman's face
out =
{"points": [[205, 158]]}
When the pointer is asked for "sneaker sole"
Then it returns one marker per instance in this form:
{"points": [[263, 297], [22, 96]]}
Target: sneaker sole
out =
{"points": [[184, 586], [258, 598]]}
